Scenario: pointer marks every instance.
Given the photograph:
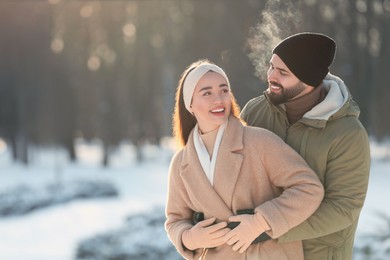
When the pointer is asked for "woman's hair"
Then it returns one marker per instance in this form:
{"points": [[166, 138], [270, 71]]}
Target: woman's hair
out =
{"points": [[183, 120]]}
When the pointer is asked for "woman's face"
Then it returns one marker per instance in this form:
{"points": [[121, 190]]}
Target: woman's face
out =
{"points": [[211, 101]]}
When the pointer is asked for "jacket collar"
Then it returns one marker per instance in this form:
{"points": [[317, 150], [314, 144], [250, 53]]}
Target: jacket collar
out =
{"points": [[337, 103], [215, 200]]}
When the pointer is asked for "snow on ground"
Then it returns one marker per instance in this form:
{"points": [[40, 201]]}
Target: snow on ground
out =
{"points": [[53, 233], [378, 189]]}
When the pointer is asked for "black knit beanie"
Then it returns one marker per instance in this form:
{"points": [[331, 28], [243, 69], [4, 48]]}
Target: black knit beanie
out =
{"points": [[307, 55]]}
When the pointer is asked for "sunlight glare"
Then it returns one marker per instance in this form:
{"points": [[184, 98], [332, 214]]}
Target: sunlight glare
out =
{"points": [[327, 13], [93, 63], [86, 11], [378, 7], [129, 30], [361, 6], [57, 45]]}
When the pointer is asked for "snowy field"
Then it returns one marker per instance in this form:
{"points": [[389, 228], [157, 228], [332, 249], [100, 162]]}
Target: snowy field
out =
{"points": [[54, 232]]}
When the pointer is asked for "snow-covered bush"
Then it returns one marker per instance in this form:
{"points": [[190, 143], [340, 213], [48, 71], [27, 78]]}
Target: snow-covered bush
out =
{"points": [[143, 237], [24, 199]]}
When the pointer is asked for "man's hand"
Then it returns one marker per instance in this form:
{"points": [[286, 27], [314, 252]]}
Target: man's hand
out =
{"points": [[243, 235], [205, 234]]}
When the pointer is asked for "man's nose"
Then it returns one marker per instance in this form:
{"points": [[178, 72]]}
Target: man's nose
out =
{"points": [[271, 75]]}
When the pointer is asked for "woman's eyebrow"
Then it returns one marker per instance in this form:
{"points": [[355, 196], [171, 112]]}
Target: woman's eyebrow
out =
{"points": [[210, 87], [205, 88]]}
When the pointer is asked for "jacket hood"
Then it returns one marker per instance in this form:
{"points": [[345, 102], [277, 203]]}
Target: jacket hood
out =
{"points": [[337, 103]]}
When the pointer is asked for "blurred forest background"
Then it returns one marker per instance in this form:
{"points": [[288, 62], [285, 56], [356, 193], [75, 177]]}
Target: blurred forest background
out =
{"points": [[107, 70]]}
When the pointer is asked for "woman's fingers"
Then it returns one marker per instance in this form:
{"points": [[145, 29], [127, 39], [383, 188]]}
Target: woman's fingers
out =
{"points": [[206, 222]]}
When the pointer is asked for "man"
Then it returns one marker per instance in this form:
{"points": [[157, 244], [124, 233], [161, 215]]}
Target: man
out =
{"points": [[313, 111]]}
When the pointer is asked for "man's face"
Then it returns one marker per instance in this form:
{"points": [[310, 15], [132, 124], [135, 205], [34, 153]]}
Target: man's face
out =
{"points": [[283, 85]]}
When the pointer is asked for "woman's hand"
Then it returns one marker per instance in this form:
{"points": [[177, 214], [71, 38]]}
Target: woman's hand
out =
{"points": [[243, 235], [205, 234]]}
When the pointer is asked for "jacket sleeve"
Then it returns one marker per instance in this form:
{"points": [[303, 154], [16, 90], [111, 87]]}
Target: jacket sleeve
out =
{"points": [[301, 189], [178, 214], [252, 111], [345, 183], [244, 113]]}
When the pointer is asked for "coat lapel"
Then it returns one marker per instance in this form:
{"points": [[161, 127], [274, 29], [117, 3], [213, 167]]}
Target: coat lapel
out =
{"points": [[229, 161], [214, 200], [201, 192]]}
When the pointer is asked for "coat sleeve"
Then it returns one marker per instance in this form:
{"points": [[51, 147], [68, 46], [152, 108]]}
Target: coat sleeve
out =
{"points": [[301, 189], [345, 183], [178, 214]]}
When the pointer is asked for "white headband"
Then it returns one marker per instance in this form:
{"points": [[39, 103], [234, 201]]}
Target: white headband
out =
{"points": [[194, 76]]}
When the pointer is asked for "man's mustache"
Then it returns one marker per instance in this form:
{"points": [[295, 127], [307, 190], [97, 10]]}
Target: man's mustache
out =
{"points": [[275, 84]]}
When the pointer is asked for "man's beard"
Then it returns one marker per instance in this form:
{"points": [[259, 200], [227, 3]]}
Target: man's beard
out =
{"points": [[286, 94]]}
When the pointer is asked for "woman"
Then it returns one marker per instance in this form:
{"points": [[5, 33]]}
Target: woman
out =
{"points": [[224, 167]]}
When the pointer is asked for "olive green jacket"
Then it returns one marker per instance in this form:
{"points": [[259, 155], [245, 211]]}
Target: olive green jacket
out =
{"points": [[335, 145]]}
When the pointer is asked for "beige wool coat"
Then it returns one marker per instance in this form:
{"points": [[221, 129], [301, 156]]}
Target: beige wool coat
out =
{"points": [[254, 169]]}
